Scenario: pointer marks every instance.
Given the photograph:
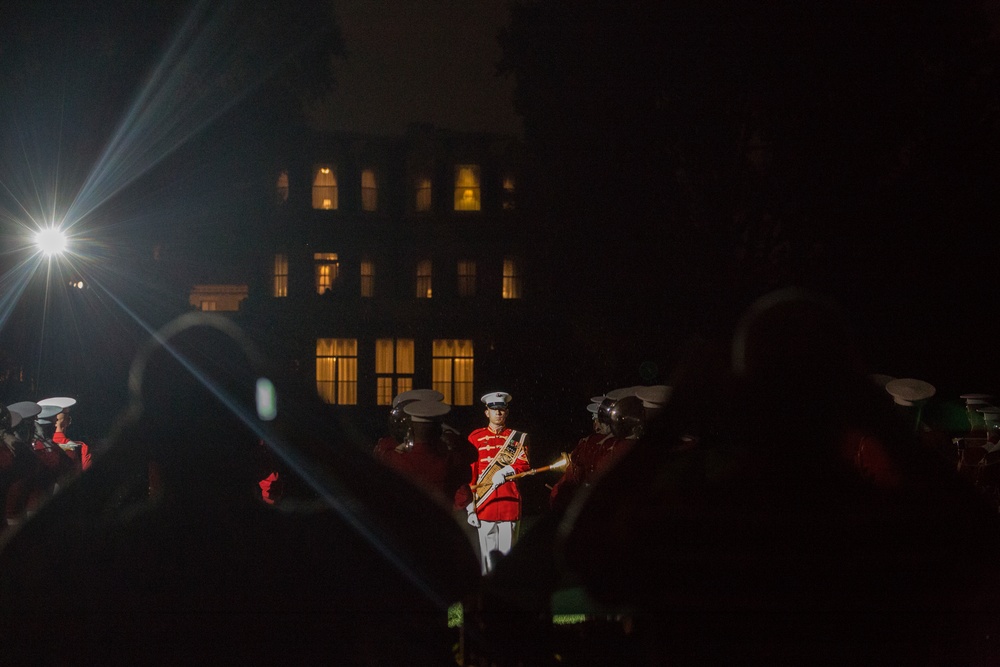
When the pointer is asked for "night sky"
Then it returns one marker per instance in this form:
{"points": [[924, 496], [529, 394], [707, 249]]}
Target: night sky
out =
{"points": [[415, 61]]}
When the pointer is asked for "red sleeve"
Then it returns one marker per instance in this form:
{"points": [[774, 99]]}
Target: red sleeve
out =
{"points": [[521, 463]]}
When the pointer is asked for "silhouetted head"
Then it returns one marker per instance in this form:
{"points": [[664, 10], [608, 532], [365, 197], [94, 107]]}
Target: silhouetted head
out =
{"points": [[199, 401]]}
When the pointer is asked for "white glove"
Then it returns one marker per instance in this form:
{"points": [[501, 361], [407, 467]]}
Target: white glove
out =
{"points": [[500, 476], [473, 519]]}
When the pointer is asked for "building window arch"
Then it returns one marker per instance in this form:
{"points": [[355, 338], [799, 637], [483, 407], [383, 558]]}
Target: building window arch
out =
{"points": [[327, 271], [422, 194], [424, 281], [511, 279], [369, 190], [281, 187], [324, 189], [467, 188]]}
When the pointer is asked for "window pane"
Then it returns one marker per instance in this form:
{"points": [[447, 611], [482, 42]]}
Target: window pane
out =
{"points": [[384, 393], [281, 275], [327, 271], [466, 278], [369, 191], [511, 279], [367, 278], [441, 377], [463, 382], [424, 290], [345, 347], [325, 187], [403, 384], [347, 381], [508, 192], [324, 378], [467, 187], [423, 202], [337, 370], [452, 370], [463, 348], [404, 355], [383, 355], [282, 187]]}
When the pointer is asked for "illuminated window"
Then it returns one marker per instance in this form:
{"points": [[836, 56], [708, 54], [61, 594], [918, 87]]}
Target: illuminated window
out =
{"points": [[423, 193], [215, 297], [511, 279], [282, 187], [367, 278], [369, 191], [467, 187], [327, 271], [466, 278], [325, 187], [281, 275], [424, 279], [508, 193], [393, 368], [451, 370], [337, 370]]}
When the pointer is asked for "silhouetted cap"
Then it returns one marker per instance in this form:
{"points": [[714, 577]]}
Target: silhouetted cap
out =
{"points": [[427, 411], [26, 409]]}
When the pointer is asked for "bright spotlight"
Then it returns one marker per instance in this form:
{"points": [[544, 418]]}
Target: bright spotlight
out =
{"points": [[51, 241]]}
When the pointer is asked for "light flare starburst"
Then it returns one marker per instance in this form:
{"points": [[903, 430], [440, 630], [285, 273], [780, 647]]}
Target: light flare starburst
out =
{"points": [[51, 241]]}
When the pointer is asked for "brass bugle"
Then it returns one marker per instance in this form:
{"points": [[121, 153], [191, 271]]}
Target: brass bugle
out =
{"points": [[561, 462]]}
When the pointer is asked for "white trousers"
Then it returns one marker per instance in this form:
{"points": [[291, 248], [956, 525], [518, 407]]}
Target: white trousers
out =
{"points": [[495, 536]]}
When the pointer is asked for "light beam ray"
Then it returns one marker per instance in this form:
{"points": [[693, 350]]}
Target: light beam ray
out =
{"points": [[189, 88], [333, 494]]}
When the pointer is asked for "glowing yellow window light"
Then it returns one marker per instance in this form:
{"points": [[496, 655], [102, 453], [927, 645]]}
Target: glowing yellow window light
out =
{"points": [[325, 188], [467, 188]]}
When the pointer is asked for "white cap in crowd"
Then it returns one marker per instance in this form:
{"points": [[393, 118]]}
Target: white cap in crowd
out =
{"points": [[654, 396], [496, 399], [622, 392], [418, 395], [908, 391], [27, 409]]}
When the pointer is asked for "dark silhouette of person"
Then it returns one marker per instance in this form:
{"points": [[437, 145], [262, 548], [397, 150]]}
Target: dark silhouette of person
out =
{"points": [[765, 543], [201, 569]]}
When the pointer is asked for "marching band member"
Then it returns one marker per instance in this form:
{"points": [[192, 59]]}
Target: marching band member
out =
{"points": [[495, 509], [78, 452], [581, 459]]}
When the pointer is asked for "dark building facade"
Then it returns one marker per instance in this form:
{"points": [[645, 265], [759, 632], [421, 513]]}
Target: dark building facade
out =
{"points": [[382, 264]]}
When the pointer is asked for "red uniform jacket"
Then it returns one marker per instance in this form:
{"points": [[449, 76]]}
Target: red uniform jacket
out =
{"points": [[504, 504], [590, 459], [81, 456]]}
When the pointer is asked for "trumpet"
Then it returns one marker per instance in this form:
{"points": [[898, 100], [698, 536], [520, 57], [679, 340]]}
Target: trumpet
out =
{"points": [[558, 464]]}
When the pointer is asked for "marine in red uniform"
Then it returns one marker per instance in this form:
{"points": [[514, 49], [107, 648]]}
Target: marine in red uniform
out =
{"points": [[77, 451], [400, 425], [496, 506], [28, 493], [583, 461], [427, 459]]}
